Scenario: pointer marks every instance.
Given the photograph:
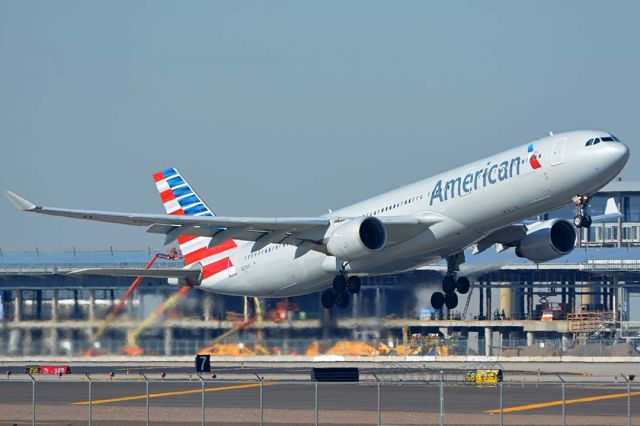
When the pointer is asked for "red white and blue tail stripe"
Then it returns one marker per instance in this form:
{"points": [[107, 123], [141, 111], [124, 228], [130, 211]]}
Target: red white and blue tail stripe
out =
{"points": [[179, 198]]}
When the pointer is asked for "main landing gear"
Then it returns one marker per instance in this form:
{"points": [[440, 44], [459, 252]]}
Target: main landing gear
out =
{"points": [[340, 291], [582, 220], [450, 284]]}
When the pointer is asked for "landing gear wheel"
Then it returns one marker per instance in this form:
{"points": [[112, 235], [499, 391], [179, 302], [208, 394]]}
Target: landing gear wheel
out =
{"points": [[582, 221], [328, 299], [437, 300], [342, 300], [451, 300], [448, 284], [353, 285], [339, 284], [588, 221], [463, 285]]}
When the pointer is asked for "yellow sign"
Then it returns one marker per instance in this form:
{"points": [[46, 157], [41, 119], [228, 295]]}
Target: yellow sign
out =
{"points": [[32, 369], [483, 376]]}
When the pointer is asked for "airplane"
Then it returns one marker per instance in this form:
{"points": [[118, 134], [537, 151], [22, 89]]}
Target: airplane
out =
{"points": [[481, 204]]}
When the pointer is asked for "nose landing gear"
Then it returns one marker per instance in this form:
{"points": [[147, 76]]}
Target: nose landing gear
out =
{"points": [[340, 291], [583, 219]]}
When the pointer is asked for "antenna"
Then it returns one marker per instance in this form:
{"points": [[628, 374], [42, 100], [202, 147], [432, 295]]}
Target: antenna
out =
{"points": [[550, 133]]}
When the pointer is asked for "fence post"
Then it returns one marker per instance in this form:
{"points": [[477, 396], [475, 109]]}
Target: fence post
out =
{"points": [[564, 404], [624, 376], [201, 399], [146, 381], [33, 399], [379, 403], [316, 403], [90, 400], [564, 400], [261, 399], [501, 405], [628, 402], [441, 398]]}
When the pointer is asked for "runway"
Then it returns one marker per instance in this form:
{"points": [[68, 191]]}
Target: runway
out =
{"points": [[124, 399]]}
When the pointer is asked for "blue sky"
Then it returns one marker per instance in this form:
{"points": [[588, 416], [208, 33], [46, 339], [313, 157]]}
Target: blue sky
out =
{"points": [[288, 108]]}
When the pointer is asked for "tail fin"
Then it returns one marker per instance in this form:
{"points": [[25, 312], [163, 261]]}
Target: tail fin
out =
{"points": [[179, 198]]}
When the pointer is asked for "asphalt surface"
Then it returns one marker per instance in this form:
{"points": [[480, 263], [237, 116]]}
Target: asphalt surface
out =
{"points": [[459, 398], [597, 399]]}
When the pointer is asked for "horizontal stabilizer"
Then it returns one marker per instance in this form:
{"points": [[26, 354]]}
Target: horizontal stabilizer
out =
{"points": [[192, 275]]}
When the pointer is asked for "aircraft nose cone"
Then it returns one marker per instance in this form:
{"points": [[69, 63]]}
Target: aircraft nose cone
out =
{"points": [[621, 152], [618, 155]]}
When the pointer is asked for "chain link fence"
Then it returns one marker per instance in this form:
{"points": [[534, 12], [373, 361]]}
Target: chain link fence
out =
{"points": [[442, 398]]}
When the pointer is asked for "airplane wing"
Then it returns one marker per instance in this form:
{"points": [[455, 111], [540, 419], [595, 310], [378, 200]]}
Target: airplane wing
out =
{"points": [[503, 238], [509, 236], [288, 230], [403, 228], [611, 212]]}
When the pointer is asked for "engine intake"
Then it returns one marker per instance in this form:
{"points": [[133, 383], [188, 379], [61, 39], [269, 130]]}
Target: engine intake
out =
{"points": [[357, 238], [547, 241]]}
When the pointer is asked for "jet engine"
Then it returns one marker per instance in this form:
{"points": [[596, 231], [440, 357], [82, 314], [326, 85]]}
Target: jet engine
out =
{"points": [[357, 238], [547, 240]]}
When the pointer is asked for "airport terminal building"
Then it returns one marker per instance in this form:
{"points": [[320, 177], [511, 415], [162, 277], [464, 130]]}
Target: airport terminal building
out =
{"points": [[587, 296]]}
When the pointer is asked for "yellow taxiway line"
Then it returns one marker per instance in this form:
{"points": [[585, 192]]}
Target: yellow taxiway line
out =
{"points": [[165, 394], [559, 402]]}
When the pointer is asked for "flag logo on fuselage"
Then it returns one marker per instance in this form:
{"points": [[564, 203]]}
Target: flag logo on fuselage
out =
{"points": [[533, 157]]}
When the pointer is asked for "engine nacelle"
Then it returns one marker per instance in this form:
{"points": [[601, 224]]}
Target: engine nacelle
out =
{"points": [[547, 241], [357, 238]]}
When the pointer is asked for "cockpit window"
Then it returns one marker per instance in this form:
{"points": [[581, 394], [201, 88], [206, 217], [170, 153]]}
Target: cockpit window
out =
{"points": [[595, 141]]}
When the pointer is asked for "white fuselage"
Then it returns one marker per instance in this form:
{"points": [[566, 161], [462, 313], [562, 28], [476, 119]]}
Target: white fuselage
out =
{"points": [[476, 199]]}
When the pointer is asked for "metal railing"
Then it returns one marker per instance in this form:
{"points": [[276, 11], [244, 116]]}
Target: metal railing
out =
{"points": [[251, 347], [373, 400]]}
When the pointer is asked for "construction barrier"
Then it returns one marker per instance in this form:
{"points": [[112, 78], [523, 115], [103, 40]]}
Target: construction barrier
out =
{"points": [[335, 374]]}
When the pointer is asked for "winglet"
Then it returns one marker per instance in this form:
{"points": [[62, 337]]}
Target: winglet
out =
{"points": [[19, 202], [611, 212]]}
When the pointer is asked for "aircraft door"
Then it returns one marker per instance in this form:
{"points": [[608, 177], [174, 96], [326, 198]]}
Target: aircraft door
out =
{"points": [[558, 151]]}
